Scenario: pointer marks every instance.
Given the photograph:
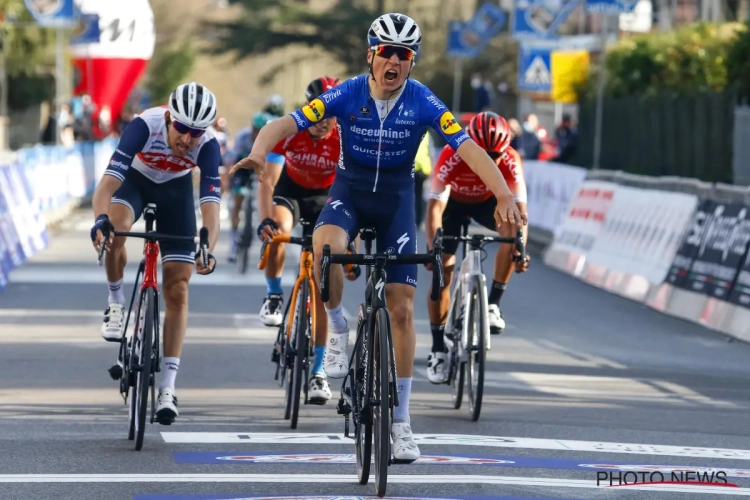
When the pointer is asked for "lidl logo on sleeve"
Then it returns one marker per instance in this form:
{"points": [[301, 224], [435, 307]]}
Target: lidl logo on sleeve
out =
{"points": [[448, 124], [315, 110]]}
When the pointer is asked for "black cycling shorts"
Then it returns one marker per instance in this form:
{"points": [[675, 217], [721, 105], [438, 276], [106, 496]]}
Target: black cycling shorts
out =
{"points": [[456, 212], [304, 203]]}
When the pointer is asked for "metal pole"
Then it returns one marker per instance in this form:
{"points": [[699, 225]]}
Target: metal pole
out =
{"points": [[457, 79], [59, 77], [600, 94]]}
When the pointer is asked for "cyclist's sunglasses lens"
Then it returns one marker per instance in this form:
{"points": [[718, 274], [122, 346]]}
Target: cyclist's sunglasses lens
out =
{"points": [[387, 51], [181, 128]]}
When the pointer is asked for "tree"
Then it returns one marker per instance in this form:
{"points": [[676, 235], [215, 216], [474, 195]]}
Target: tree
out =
{"points": [[267, 25], [173, 57]]}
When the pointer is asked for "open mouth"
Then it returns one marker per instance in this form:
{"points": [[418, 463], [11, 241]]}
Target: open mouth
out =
{"points": [[181, 148], [391, 75]]}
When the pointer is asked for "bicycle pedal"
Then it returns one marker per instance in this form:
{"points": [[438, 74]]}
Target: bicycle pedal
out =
{"points": [[344, 407], [275, 357], [396, 461], [495, 330], [115, 372]]}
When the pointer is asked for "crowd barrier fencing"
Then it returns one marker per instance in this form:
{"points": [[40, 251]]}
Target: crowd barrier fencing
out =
{"points": [[39, 187]]}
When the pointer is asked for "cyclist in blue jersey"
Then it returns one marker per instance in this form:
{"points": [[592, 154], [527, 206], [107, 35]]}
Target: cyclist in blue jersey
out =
{"points": [[153, 163], [382, 117], [243, 180]]}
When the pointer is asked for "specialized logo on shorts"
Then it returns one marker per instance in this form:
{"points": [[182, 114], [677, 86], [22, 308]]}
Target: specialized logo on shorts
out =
{"points": [[448, 124], [315, 110], [335, 204]]}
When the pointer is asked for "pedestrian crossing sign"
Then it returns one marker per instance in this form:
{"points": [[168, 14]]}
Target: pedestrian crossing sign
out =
{"points": [[534, 72]]}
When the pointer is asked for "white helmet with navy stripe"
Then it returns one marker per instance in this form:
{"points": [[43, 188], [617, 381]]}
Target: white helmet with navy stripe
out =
{"points": [[193, 105], [395, 29]]}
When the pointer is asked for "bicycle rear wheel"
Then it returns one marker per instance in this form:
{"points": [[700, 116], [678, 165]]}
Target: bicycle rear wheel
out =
{"points": [[144, 350], [361, 396], [300, 364], [477, 316], [382, 410], [458, 367]]}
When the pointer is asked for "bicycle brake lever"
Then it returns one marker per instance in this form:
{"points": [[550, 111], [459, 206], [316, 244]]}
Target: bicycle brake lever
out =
{"points": [[204, 245]]}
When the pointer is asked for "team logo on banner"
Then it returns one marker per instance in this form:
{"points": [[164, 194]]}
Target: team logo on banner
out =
{"points": [[448, 124], [315, 110]]}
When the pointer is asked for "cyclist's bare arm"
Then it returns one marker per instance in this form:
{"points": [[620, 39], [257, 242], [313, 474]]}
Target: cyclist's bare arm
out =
{"points": [[436, 203], [268, 137], [266, 187], [103, 194]]}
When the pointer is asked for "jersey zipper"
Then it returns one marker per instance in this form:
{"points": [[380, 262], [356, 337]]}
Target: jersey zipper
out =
{"points": [[377, 162]]}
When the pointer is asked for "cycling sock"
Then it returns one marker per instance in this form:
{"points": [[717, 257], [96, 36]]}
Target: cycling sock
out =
{"points": [[401, 412], [273, 285], [169, 372], [336, 319], [496, 292], [320, 353], [116, 293], [233, 234], [438, 342]]}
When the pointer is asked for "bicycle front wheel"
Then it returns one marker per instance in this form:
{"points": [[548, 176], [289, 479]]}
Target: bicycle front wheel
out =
{"points": [[382, 410], [300, 355], [361, 397], [144, 351], [477, 316]]}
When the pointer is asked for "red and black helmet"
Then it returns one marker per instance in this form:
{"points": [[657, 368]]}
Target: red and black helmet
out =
{"points": [[319, 86], [490, 131]]}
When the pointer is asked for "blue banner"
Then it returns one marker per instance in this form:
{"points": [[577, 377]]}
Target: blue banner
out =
{"points": [[52, 13], [541, 19], [468, 39], [611, 6], [87, 31]]}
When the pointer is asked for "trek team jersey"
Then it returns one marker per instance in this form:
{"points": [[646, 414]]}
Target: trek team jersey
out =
{"points": [[468, 187], [379, 139], [144, 147], [309, 162]]}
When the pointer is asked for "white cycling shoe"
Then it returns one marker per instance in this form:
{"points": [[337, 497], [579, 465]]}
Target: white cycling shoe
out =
{"points": [[272, 310], [497, 323], [166, 407], [405, 450], [114, 321], [319, 393], [336, 364], [437, 364]]}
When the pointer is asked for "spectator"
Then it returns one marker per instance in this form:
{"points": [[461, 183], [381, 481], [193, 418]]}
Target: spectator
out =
{"points": [[528, 144], [567, 138], [482, 95]]}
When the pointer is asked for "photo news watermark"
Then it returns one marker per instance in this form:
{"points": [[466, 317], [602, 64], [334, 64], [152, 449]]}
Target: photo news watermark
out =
{"points": [[655, 477]]}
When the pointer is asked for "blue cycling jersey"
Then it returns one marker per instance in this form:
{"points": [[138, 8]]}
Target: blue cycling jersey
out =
{"points": [[380, 139]]}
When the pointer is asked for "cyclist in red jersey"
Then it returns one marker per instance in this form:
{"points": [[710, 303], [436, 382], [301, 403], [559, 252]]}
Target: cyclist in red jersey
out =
{"points": [[456, 193], [297, 175]]}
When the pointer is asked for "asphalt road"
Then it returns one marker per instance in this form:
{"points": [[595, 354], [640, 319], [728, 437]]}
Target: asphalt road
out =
{"points": [[578, 377]]}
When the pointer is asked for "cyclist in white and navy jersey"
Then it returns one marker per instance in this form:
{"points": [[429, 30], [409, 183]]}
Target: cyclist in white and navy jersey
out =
{"points": [[152, 164], [382, 117]]}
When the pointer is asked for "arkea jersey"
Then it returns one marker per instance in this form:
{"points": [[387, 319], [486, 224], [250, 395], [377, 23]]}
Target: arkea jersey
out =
{"points": [[380, 139], [468, 187], [144, 147], [310, 162]]}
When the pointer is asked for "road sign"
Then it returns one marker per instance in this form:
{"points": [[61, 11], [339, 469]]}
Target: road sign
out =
{"points": [[540, 19], [610, 6], [534, 73], [52, 13], [468, 39], [88, 30]]}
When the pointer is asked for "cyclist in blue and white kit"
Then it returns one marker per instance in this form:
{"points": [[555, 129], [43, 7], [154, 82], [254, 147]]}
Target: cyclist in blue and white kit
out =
{"points": [[242, 182], [382, 118], [152, 164]]}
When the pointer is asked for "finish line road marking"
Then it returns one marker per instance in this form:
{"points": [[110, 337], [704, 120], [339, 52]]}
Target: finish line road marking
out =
{"points": [[351, 479], [461, 440]]}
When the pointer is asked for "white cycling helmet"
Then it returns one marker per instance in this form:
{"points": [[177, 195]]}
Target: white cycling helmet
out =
{"points": [[193, 105], [395, 29]]}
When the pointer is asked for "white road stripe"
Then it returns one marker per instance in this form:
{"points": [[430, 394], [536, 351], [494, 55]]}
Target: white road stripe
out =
{"points": [[346, 478], [463, 440]]}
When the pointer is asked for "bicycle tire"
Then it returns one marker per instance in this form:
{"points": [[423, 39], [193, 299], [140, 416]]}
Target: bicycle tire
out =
{"points": [[381, 412], [476, 364], [362, 412], [243, 259], [144, 361], [300, 354], [458, 368]]}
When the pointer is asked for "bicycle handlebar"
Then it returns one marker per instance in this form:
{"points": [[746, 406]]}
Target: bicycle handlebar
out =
{"points": [[201, 239], [478, 239], [285, 238], [434, 257]]}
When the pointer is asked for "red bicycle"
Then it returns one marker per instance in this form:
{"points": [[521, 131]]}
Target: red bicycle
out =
{"points": [[139, 356]]}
